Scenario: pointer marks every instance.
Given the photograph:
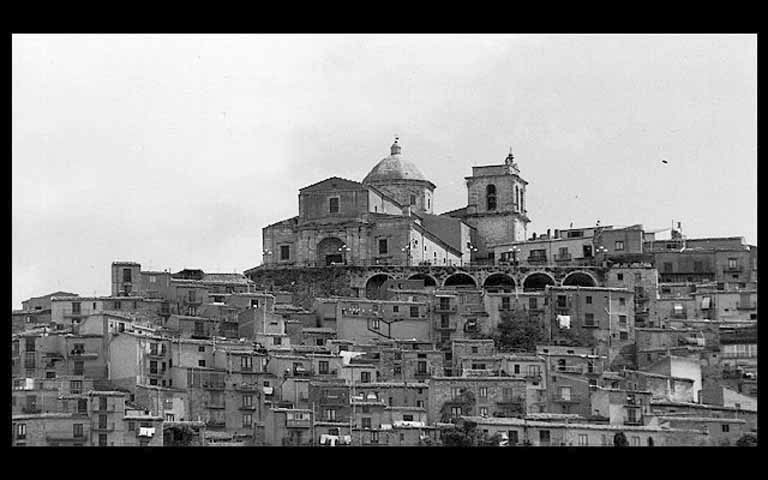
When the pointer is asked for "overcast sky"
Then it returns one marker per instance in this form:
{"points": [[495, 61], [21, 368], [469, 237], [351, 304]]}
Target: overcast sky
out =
{"points": [[175, 150]]}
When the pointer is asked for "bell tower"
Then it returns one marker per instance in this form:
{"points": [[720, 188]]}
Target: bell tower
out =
{"points": [[496, 205]]}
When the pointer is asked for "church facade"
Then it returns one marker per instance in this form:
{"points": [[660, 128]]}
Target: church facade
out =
{"points": [[388, 219]]}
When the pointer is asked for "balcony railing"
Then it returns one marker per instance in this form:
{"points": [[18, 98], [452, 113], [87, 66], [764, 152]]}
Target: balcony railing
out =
{"points": [[215, 405], [578, 369], [109, 427], [157, 353], [746, 306], [445, 309], [32, 409], [214, 386], [565, 257], [244, 387], [571, 399], [536, 260], [445, 326], [297, 423], [201, 332], [511, 401], [737, 268], [216, 424]]}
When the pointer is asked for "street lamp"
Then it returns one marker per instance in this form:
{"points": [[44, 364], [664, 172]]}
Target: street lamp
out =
{"points": [[601, 250], [514, 251], [407, 250], [470, 248], [344, 249]]}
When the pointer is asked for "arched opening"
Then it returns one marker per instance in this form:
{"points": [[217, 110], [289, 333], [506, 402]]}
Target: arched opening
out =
{"points": [[537, 281], [460, 280], [428, 280], [331, 251], [375, 288], [499, 282], [490, 194], [581, 279]]}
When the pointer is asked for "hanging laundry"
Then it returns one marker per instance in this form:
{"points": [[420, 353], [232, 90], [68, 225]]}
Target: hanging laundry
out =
{"points": [[564, 321]]}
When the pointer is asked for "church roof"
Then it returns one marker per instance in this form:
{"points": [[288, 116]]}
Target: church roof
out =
{"points": [[394, 167]]}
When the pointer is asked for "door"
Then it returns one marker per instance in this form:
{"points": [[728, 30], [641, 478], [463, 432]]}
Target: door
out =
{"points": [[587, 251]]}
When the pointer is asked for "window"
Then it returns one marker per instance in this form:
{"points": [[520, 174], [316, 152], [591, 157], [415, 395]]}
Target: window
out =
{"points": [[247, 400], [131, 426], [201, 363], [565, 393], [732, 263], [383, 246], [622, 301], [277, 340], [78, 367], [413, 199], [118, 306], [422, 368], [455, 392], [619, 245], [474, 349], [414, 312], [444, 320], [623, 336], [323, 367], [562, 301], [330, 414], [512, 435], [375, 323], [532, 303], [635, 441], [247, 420], [483, 392], [102, 439], [285, 252], [77, 430], [246, 363], [620, 277], [75, 308], [543, 436], [366, 422], [419, 403], [365, 377], [589, 319], [726, 428], [505, 303], [583, 440], [21, 431], [622, 320], [483, 411], [455, 411], [490, 193], [76, 387], [50, 374], [374, 437]]}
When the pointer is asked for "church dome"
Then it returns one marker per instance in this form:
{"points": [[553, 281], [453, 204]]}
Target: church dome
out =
{"points": [[394, 167]]}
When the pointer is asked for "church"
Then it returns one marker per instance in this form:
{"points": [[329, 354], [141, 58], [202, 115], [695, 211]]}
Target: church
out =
{"points": [[388, 219]]}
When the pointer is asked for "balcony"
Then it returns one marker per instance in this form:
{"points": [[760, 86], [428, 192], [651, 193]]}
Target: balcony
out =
{"points": [[32, 409], [247, 407], [294, 423], [746, 306], [301, 372], [445, 326], [634, 421], [201, 333], [445, 309], [512, 402], [244, 387], [571, 399], [575, 369], [62, 438], [536, 260], [100, 409], [214, 386], [216, 424], [109, 427], [157, 353], [732, 269], [565, 257], [422, 375], [215, 405]]}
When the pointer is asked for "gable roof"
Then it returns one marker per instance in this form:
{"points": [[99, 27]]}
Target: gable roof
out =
{"points": [[333, 183]]}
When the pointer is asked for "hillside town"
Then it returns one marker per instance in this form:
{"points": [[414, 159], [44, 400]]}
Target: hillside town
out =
{"points": [[373, 321]]}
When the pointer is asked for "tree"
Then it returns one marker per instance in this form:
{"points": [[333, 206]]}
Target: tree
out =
{"points": [[620, 440], [518, 332], [466, 434], [465, 401], [747, 440]]}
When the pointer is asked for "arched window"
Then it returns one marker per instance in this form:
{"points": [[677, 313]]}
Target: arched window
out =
{"points": [[522, 201], [517, 196], [490, 193]]}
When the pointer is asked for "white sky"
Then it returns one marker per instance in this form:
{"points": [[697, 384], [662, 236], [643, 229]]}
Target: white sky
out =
{"points": [[175, 150]]}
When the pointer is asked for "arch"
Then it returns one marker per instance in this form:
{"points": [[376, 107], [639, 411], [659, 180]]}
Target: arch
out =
{"points": [[429, 280], [490, 194], [460, 279], [537, 281], [374, 284], [331, 250], [581, 279], [499, 282]]}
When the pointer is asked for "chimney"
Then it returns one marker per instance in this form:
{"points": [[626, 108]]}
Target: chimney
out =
{"points": [[557, 233], [549, 233], [534, 236]]}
